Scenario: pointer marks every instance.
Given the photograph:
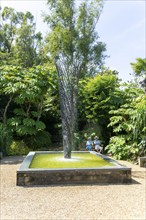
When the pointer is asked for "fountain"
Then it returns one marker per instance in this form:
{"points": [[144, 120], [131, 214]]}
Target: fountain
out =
{"points": [[114, 173]]}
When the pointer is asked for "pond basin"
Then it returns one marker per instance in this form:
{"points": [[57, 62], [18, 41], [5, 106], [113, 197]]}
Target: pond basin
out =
{"points": [[111, 173]]}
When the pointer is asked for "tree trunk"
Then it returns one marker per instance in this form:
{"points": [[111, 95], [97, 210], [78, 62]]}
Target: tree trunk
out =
{"points": [[6, 109]]}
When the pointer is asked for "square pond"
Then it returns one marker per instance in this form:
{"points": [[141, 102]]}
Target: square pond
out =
{"points": [[51, 168]]}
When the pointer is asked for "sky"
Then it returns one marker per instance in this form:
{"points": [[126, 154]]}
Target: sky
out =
{"points": [[121, 27]]}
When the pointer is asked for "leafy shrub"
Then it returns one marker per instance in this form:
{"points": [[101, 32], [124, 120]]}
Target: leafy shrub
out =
{"points": [[118, 148], [17, 148], [128, 123], [5, 138], [39, 141]]}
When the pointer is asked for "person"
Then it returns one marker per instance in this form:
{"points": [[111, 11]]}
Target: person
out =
{"points": [[97, 144], [89, 144]]}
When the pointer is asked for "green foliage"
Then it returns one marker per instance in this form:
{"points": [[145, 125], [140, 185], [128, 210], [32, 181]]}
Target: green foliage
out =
{"points": [[27, 96], [18, 148], [138, 117], [97, 96], [90, 130], [27, 126], [40, 141], [5, 138], [118, 148], [128, 123], [73, 33], [139, 68], [122, 148], [19, 44], [28, 90]]}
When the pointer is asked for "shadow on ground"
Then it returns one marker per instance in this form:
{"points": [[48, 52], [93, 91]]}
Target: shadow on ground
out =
{"points": [[12, 160], [80, 184]]}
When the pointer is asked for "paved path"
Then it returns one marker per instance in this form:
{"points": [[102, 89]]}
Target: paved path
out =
{"points": [[91, 202]]}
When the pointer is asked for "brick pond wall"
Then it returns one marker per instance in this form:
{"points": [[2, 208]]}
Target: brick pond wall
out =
{"points": [[74, 177]]}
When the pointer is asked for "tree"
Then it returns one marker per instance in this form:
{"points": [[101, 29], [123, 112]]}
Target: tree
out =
{"points": [[19, 42], [9, 21], [27, 42], [139, 69], [97, 96], [25, 95], [73, 44]]}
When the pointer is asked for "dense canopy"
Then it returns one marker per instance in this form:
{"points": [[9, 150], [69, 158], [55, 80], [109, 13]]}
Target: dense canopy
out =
{"points": [[32, 102]]}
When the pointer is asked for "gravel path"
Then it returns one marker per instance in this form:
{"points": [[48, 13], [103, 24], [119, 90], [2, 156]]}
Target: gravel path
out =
{"points": [[91, 202]]}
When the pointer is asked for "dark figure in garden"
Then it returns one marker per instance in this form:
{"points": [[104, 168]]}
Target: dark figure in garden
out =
{"points": [[89, 144], [97, 145]]}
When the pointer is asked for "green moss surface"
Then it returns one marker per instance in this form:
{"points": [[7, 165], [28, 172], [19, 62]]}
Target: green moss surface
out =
{"points": [[78, 160]]}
